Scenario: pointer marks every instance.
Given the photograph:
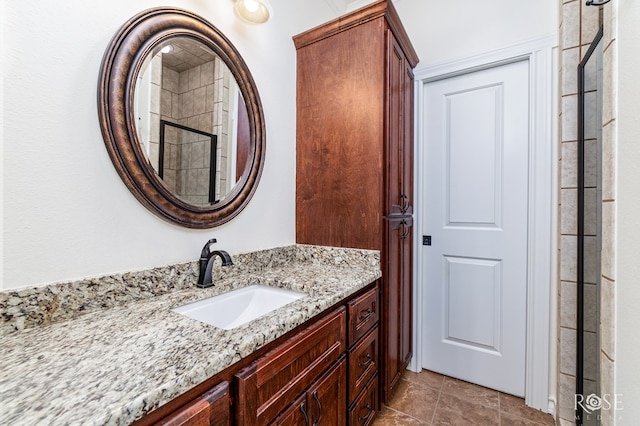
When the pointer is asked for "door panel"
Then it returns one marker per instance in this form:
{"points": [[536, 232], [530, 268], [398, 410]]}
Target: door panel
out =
{"points": [[476, 203], [397, 327]]}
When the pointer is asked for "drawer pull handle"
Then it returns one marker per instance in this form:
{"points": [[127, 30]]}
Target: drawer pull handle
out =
{"points": [[367, 362], [362, 419], [304, 413], [315, 396], [365, 314]]}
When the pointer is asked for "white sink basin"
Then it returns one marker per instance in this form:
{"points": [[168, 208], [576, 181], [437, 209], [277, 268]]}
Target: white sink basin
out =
{"points": [[237, 307]]}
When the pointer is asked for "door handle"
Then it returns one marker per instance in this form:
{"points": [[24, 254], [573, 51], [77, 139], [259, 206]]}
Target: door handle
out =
{"points": [[404, 203], [405, 230]]}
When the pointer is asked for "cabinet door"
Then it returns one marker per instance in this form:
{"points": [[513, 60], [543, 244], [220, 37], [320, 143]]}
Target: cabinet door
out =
{"points": [[212, 408], [399, 139], [397, 302], [296, 414], [270, 384], [327, 397]]}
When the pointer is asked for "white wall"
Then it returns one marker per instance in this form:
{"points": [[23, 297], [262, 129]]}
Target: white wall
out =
{"points": [[447, 30], [627, 369], [66, 213]]}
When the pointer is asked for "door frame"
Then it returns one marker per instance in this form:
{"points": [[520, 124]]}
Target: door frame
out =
{"points": [[541, 347]]}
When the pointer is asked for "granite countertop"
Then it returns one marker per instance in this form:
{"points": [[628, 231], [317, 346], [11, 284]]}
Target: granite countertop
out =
{"points": [[114, 365]]}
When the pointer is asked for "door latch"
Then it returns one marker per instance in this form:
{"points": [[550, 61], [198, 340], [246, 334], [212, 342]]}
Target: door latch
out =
{"points": [[426, 240]]}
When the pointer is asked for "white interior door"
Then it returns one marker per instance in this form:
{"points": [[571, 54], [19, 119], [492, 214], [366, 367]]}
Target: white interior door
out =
{"points": [[475, 210]]}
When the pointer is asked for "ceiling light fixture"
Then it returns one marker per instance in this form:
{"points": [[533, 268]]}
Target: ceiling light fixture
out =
{"points": [[253, 11]]}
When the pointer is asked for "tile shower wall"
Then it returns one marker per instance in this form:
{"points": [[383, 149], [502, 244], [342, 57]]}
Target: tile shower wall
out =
{"points": [[579, 25], [200, 98]]}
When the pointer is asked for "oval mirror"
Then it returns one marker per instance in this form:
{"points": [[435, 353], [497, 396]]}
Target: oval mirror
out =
{"points": [[181, 117]]}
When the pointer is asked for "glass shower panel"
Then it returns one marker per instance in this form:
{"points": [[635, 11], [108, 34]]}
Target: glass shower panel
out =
{"points": [[589, 234]]}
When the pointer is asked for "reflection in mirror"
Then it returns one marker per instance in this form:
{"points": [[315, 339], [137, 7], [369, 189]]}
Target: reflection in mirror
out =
{"points": [[191, 121]]}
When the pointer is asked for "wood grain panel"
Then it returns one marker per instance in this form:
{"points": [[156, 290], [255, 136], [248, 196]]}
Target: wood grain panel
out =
{"points": [[269, 385], [340, 128]]}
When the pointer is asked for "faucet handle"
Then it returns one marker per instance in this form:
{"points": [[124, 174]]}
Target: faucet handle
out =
{"points": [[205, 250]]}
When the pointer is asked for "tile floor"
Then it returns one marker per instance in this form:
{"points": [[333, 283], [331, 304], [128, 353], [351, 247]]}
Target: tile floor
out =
{"points": [[428, 398]]}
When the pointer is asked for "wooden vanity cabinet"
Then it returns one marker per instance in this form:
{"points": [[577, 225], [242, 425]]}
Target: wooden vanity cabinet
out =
{"points": [[212, 408], [322, 404], [354, 156], [325, 372], [275, 381]]}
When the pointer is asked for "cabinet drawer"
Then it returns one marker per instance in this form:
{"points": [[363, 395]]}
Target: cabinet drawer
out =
{"points": [[270, 384], [363, 314], [363, 363], [363, 410], [211, 408]]}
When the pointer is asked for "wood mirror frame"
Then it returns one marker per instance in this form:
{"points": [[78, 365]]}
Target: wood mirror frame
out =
{"points": [[121, 65]]}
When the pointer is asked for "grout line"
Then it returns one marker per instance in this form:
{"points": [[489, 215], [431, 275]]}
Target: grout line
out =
{"points": [[435, 410]]}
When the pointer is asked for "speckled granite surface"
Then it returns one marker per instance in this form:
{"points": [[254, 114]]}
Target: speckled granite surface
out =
{"points": [[112, 365]]}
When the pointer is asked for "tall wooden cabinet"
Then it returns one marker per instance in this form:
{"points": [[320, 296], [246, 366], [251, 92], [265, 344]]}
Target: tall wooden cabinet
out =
{"points": [[355, 156]]}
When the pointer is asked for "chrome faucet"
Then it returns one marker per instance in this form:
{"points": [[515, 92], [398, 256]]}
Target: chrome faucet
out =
{"points": [[206, 263]]}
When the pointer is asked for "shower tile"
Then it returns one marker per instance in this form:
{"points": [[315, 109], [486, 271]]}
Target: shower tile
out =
{"points": [[568, 297], [568, 215], [591, 125], [591, 353], [154, 128], [591, 303], [566, 396], [157, 70], [194, 78], [170, 80], [570, 24], [568, 258], [568, 165], [569, 74], [608, 240], [183, 82], [590, 163], [609, 83], [206, 73], [199, 100], [610, 19], [590, 211], [607, 386], [210, 98], [609, 141], [187, 104], [176, 107], [607, 317], [569, 118], [202, 182], [567, 350], [590, 22], [591, 264]]}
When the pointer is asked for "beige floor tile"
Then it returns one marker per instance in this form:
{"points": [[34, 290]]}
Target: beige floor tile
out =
{"points": [[473, 393], [415, 400], [390, 417], [425, 378], [514, 406], [454, 410]]}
